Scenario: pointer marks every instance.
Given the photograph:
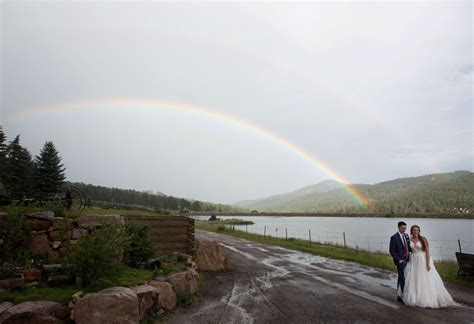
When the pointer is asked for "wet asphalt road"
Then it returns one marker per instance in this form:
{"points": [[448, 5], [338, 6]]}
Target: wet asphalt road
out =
{"points": [[275, 285]]}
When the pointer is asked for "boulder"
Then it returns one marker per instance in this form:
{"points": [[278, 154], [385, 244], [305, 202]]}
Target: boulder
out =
{"points": [[53, 255], [229, 263], [60, 235], [112, 305], [166, 295], [4, 306], [46, 215], [39, 244], [37, 224], [210, 256], [147, 299], [60, 223], [31, 312], [97, 221], [184, 282], [56, 245], [63, 312]]}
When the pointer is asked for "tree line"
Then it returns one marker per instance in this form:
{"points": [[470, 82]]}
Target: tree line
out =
{"points": [[24, 177], [120, 198]]}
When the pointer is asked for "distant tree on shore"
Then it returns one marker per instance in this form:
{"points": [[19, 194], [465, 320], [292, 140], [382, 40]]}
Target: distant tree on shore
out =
{"points": [[196, 205], [49, 173]]}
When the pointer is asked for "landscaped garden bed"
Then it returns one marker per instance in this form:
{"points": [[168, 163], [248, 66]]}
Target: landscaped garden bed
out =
{"points": [[97, 258]]}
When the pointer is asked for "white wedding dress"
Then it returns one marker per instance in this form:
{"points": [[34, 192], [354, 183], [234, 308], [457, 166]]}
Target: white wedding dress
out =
{"points": [[424, 288]]}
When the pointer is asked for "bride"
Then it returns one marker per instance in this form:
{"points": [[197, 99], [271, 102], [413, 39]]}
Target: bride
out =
{"points": [[423, 285]]}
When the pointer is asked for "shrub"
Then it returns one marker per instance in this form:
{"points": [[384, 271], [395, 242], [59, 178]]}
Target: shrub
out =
{"points": [[222, 228], [15, 234], [96, 256], [138, 247]]}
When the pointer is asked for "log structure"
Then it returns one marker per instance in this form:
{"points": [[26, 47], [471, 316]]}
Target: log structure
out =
{"points": [[169, 233]]}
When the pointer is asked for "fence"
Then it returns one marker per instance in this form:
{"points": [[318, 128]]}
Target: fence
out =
{"points": [[169, 233], [439, 249]]}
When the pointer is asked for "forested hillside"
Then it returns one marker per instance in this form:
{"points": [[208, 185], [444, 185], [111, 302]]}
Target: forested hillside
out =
{"points": [[158, 201], [443, 193]]}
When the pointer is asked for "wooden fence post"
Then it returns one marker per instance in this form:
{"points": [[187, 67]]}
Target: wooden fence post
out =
{"points": [[309, 237], [344, 236], [264, 231], [286, 233]]}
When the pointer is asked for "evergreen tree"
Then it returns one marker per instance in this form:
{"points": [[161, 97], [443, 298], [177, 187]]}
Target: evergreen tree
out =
{"points": [[3, 160], [19, 170], [49, 172]]}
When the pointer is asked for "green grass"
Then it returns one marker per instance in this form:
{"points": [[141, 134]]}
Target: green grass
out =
{"points": [[129, 277], [91, 211], [447, 269], [122, 212]]}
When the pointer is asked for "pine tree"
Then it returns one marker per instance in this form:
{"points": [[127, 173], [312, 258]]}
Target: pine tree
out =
{"points": [[19, 170], [3, 160], [49, 172]]}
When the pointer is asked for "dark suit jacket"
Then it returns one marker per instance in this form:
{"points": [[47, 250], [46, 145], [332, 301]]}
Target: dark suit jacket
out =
{"points": [[397, 251]]}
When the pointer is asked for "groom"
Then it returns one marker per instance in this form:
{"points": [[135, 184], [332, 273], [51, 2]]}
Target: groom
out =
{"points": [[399, 249]]}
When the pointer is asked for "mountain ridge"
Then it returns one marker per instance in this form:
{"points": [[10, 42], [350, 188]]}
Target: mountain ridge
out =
{"points": [[439, 192]]}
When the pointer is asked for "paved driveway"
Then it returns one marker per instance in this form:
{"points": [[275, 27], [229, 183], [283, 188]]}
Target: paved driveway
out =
{"points": [[276, 285]]}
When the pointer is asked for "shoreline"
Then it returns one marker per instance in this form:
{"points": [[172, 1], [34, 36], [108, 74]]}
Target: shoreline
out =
{"points": [[447, 269], [360, 215]]}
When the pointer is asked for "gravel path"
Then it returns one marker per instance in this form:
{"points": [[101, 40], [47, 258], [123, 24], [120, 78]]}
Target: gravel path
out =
{"points": [[276, 285]]}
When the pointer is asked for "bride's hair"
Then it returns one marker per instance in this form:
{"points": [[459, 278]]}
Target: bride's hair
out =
{"points": [[421, 238]]}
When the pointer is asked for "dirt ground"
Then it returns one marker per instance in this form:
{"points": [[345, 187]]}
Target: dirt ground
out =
{"points": [[276, 285]]}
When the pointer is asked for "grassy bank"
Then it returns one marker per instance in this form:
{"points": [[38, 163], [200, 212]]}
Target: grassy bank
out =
{"points": [[447, 269]]}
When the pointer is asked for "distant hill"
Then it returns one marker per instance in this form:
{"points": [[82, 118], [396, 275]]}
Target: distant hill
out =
{"points": [[441, 192]]}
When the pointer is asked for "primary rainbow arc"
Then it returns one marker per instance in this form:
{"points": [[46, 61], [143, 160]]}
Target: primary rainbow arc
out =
{"points": [[202, 111]]}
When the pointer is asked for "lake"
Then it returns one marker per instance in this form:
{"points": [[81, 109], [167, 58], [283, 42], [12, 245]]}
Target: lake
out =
{"points": [[367, 233]]}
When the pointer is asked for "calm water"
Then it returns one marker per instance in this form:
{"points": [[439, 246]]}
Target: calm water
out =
{"points": [[366, 233]]}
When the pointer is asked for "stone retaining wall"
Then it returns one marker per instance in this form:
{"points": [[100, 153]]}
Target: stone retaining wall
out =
{"points": [[48, 234]]}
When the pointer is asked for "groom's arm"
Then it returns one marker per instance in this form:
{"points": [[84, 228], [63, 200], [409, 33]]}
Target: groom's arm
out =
{"points": [[393, 250]]}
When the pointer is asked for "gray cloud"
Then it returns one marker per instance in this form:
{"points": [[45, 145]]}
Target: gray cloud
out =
{"points": [[376, 91]]}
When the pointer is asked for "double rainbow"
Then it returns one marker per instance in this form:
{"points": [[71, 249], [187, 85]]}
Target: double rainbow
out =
{"points": [[200, 111]]}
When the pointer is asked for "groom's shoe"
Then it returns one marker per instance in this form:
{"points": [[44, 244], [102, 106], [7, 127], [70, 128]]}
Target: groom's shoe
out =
{"points": [[400, 299]]}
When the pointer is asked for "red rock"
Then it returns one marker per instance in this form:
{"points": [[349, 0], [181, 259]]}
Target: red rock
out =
{"points": [[117, 305], [147, 299], [61, 224], [229, 263], [63, 312], [166, 295], [59, 235], [210, 256], [39, 244], [184, 282], [4, 306], [53, 255], [31, 312]]}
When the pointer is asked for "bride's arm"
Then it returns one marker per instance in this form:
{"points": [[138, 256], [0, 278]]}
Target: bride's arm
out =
{"points": [[428, 267]]}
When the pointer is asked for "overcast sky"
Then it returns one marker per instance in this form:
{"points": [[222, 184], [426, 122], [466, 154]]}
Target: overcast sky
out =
{"points": [[376, 91]]}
